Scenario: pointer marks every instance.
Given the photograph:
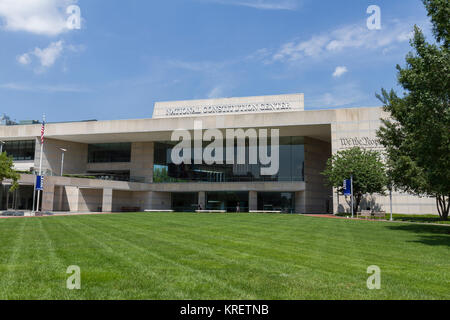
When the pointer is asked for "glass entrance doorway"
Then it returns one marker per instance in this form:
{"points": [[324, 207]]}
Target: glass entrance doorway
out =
{"points": [[229, 201], [19, 199]]}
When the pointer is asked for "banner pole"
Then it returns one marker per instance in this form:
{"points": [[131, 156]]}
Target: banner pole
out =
{"points": [[34, 195], [351, 178], [40, 166]]}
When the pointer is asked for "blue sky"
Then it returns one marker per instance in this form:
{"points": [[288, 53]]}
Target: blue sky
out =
{"points": [[130, 53]]}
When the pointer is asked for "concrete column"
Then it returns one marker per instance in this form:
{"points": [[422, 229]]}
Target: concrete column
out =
{"points": [[107, 200], [142, 161], [300, 202], [48, 196], [202, 199], [73, 198], [252, 200]]}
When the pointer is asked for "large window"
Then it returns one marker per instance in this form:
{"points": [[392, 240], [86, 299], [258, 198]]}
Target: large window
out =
{"points": [[276, 201], [109, 152], [229, 201], [20, 150], [291, 166], [185, 201]]}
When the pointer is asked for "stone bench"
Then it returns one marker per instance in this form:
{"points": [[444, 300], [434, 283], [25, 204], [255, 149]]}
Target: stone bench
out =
{"points": [[379, 214], [211, 211], [158, 210], [364, 213], [369, 214], [264, 211]]}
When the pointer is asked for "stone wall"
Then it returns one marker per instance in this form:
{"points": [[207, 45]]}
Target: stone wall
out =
{"points": [[316, 194], [75, 159]]}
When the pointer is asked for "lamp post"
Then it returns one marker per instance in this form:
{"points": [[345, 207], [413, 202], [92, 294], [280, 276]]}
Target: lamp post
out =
{"points": [[351, 179], [390, 201], [62, 159]]}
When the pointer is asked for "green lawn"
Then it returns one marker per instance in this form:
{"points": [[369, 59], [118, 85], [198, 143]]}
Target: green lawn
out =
{"points": [[221, 256]]}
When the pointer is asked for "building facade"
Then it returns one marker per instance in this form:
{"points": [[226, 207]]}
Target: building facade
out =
{"points": [[129, 165]]}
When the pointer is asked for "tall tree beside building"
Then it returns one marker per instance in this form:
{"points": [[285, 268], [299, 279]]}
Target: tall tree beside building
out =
{"points": [[417, 137], [364, 165], [7, 170]]}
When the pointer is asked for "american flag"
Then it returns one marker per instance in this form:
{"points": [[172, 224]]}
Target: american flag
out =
{"points": [[42, 131]]}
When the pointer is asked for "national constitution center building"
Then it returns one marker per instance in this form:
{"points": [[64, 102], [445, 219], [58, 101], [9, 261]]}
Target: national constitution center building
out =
{"points": [[128, 165]]}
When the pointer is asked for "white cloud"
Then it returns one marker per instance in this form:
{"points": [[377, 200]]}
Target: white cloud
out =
{"points": [[48, 56], [262, 4], [24, 59], [46, 17], [42, 88], [340, 71], [347, 37]]}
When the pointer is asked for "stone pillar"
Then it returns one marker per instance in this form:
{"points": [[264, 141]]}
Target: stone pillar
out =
{"points": [[107, 200], [300, 202], [142, 161], [48, 196], [202, 199], [252, 201], [73, 198]]}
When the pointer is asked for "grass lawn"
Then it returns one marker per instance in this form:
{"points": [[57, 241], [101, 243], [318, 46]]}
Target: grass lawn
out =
{"points": [[221, 256]]}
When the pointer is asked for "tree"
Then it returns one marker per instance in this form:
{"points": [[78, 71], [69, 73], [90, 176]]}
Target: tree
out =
{"points": [[417, 137], [7, 170], [368, 172]]}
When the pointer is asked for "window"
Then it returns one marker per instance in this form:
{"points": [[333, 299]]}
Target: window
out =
{"points": [[229, 201], [276, 201], [20, 150], [109, 152], [291, 166], [185, 201]]}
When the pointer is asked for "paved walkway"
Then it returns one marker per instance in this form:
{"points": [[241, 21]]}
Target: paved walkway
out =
{"points": [[59, 214]]}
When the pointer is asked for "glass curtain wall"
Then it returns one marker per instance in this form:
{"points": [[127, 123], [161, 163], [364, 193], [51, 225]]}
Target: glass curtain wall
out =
{"points": [[229, 201], [20, 150], [276, 201], [20, 199], [291, 166], [109, 152], [185, 201]]}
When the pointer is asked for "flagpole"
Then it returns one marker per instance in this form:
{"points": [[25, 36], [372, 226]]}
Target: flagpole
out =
{"points": [[34, 195], [40, 166]]}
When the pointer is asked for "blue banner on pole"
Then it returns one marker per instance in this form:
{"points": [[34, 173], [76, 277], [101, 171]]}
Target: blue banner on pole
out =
{"points": [[347, 187], [39, 183]]}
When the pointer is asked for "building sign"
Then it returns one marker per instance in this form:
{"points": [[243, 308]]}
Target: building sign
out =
{"points": [[223, 109], [363, 142], [227, 106]]}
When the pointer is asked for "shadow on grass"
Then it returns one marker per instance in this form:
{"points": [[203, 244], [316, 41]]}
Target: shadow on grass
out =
{"points": [[429, 235], [420, 218]]}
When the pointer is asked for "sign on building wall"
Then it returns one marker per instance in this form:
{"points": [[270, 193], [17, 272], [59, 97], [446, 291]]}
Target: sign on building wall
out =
{"points": [[362, 142], [263, 104]]}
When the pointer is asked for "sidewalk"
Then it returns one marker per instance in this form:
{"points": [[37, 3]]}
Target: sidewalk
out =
{"points": [[27, 214]]}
